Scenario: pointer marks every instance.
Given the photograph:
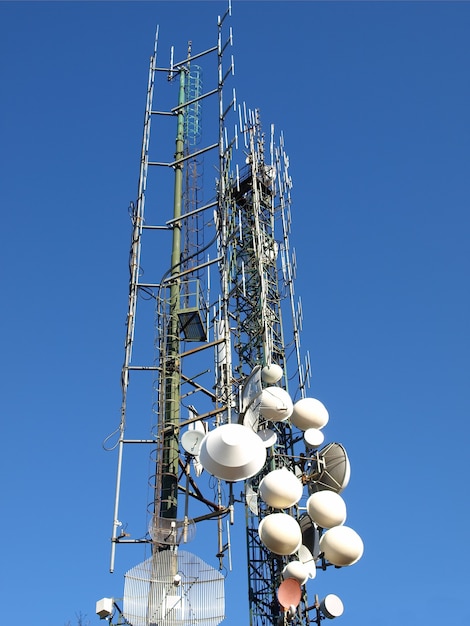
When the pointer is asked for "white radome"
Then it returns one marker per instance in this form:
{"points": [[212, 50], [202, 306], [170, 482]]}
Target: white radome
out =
{"points": [[275, 404], [327, 508], [342, 546], [280, 533], [297, 570], [232, 452], [280, 489], [309, 413], [271, 374], [313, 438], [331, 606]]}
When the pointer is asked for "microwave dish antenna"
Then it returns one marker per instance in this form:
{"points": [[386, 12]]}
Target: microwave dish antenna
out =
{"points": [[215, 323], [332, 470], [175, 589]]}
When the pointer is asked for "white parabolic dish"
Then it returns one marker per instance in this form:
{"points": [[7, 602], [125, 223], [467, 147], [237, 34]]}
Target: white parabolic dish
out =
{"points": [[307, 559], [280, 488], [276, 404], [309, 413], [341, 546], [327, 508], [271, 374], [331, 606], [232, 452], [313, 438], [280, 533], [297, 570]]}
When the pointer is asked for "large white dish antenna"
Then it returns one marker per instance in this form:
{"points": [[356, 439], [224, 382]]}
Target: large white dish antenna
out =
{"points": [[152, 597], [280, 533], [276, 404], [341, 546], [309, 413], [232, 452], [280, 489], [327, 508]]}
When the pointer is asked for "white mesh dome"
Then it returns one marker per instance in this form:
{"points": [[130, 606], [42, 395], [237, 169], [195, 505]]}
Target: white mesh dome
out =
{"points": [[151, 597]]}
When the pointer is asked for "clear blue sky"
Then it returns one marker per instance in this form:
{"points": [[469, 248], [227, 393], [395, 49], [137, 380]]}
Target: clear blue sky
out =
{"points": [[374, 101]]}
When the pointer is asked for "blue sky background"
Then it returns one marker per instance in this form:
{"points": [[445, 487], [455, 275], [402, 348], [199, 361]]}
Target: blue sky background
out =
{"points": [[374, 101]]}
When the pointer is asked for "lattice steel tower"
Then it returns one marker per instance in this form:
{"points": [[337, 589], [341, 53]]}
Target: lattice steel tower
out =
{"points": [[215, 333]]}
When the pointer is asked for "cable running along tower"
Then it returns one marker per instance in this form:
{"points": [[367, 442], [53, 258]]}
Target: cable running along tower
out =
{"points": [[213, 342]]}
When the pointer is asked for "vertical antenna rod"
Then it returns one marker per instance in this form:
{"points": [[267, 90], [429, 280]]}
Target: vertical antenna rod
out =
{"points": [[137, 217]]}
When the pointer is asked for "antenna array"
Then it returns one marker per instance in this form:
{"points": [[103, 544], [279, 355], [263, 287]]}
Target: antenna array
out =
{"points": [[229, 378]]}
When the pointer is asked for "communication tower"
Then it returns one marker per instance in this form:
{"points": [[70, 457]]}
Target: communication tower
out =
{"points": [[214, 334]]}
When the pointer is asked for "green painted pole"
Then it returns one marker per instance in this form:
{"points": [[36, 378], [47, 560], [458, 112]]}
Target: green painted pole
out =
{"points": [[169, 495]]}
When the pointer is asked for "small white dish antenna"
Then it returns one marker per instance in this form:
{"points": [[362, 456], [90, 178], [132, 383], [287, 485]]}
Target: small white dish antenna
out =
{"points": [[268, 437], [331, 606], [313, 438], [191, 441], [306, 557], [271, 374], [251, 498], [289, 593], [297, 570]]}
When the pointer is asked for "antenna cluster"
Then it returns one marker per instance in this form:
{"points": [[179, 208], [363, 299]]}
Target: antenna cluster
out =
{"points": [[223, 359]]}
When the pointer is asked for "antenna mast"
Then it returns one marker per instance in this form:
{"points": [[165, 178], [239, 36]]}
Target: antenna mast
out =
{"points": [[229, 381]]}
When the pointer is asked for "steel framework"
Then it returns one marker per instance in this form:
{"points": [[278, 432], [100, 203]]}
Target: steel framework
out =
{"points": [[223, 307]]}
